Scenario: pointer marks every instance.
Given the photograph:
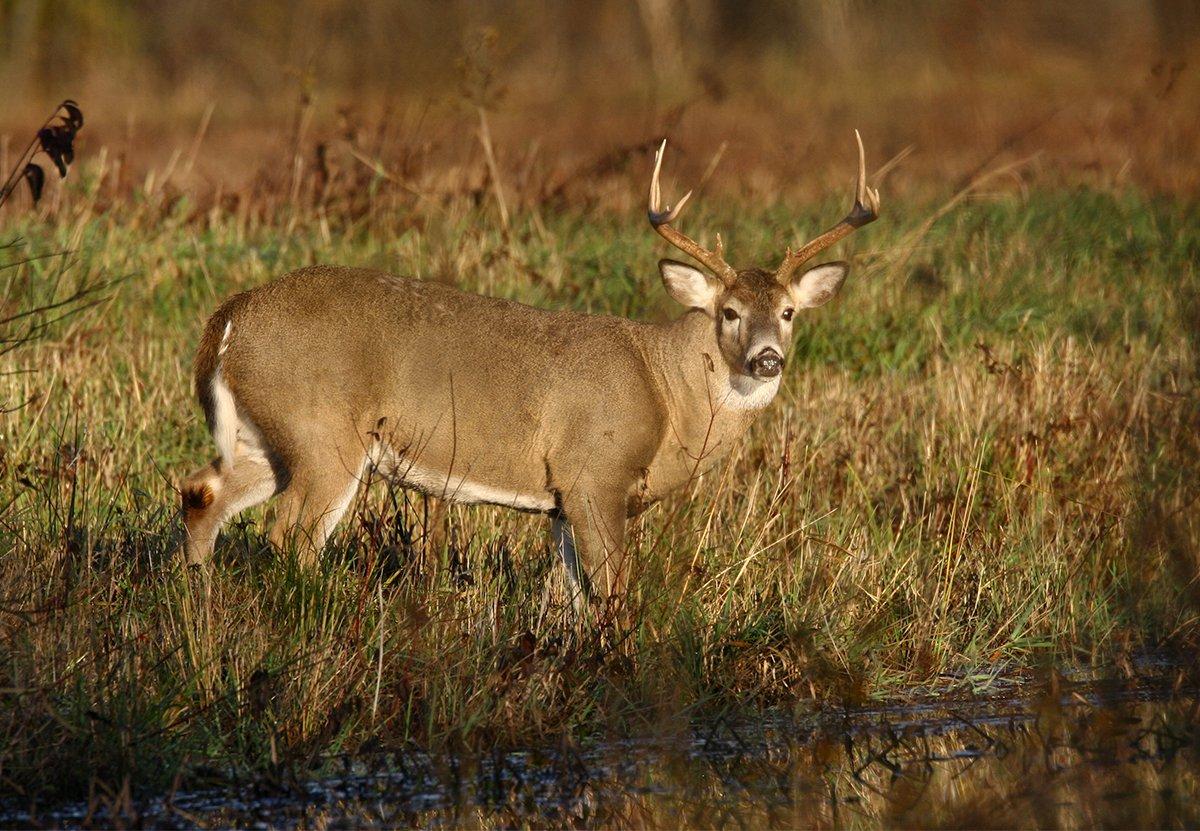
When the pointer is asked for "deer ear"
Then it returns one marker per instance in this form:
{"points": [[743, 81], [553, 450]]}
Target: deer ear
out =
{"points": [[818, 285], [689, 285]]}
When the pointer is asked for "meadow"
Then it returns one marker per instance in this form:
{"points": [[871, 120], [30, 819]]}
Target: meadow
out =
{"points": [[982, 464], [980, 459]]}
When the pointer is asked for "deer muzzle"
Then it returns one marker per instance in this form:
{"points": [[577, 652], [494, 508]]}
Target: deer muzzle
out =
{"points": [[766, 364]]}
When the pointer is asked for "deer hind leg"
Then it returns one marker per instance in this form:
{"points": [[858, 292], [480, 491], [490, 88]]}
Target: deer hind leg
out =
{"points": [[217, 492], [315, 501]]}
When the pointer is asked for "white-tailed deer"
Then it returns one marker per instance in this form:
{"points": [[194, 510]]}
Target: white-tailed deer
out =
{"points": [[321, 376]]}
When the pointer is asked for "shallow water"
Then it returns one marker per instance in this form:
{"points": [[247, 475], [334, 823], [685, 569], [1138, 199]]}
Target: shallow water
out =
{"points": [[1063, 753]]}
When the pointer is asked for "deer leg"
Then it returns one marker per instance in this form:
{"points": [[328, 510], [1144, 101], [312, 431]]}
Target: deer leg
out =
{"points": [[311, 507], [435, 536], [217, 492], [597, 526], [564, 543]]}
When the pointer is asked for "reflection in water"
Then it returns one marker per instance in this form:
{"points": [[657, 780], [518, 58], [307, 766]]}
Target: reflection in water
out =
{"points": [[1071, 755]]}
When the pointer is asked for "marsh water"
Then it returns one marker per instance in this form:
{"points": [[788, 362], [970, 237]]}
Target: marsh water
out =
{"points": [[1055, 752]]}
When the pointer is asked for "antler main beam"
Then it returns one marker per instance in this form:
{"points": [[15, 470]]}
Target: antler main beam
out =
{"points": [[661, 219], [866, 209]]}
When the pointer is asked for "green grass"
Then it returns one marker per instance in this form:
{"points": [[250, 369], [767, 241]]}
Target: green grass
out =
{"points": [[984, 453]]}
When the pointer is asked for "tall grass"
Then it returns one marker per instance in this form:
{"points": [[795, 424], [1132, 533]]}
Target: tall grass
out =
{"points": [[983, 456]]}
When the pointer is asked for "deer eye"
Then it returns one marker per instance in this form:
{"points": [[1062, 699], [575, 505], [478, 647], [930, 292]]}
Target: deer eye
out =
{"points": [[788, 314], [729, 314]]}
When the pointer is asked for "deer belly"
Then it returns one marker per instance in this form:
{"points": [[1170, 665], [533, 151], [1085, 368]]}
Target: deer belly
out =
{"points": [[458, 487]]}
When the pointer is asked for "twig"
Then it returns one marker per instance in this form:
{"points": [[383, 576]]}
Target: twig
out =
{"points": [[379, 666], [376, 167], [485, 139], [201, 132]]}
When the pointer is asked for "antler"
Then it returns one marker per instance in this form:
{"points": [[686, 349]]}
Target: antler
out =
{"points": [[866, 209], [661, 221]]}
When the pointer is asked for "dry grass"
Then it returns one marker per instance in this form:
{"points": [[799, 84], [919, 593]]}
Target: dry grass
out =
{"points": [[983, 457]]}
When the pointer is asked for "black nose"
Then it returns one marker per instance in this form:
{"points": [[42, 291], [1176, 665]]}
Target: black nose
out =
{"points": [[766, 364]]}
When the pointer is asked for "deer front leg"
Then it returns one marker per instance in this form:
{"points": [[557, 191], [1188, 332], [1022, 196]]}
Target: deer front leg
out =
{"points": [[564, 544], [593, 546]]}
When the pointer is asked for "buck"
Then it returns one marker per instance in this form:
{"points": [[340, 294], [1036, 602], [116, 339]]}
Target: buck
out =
{"points": [[328, 375]]}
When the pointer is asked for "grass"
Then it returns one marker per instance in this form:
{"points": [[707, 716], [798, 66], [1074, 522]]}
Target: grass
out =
{"points": [[984, 455]]}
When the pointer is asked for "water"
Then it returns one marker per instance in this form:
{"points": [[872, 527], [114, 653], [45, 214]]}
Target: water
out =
{"points": [[1068, 753]]}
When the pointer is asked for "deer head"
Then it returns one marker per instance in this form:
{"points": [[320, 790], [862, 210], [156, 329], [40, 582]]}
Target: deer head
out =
{"points": [[753, 309]]}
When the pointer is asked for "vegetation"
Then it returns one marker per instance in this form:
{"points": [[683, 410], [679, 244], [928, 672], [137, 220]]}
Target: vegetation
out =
{"points": [[983, 459], [983, 456]]}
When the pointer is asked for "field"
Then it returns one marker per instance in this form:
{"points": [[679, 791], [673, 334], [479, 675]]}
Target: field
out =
{"points": [[982, 463]]}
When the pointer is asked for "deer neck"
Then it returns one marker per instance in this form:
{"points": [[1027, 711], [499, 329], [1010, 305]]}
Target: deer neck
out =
{"points": [[709, 407]]}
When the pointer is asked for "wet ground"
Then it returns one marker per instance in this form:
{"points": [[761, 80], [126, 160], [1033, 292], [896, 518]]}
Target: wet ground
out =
{"points": [[1051, 753]]}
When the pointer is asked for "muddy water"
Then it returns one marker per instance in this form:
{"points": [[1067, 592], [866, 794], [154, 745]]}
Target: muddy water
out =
{"points": [[1118, 754]]}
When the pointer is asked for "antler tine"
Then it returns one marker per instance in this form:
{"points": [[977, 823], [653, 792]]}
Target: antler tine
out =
{"points": [[863, 195], [657, 215], [865, 210], [655, 194], [661, 219]]}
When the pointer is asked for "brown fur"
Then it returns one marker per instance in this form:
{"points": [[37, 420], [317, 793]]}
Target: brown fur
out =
{"points": [[469, 398], [315, 378]]}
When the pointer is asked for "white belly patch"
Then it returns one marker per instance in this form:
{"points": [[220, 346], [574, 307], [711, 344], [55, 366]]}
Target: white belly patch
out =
{"points": [[457, 487]]}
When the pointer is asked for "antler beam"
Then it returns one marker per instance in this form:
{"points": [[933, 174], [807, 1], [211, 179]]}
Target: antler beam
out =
{"points": [[661, 219], [866, 209]]}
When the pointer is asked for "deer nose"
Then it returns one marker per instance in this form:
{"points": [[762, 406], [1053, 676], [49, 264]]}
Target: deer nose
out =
{"points": [[766, 364]]}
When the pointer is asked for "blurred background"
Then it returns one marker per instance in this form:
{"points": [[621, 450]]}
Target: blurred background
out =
{"points": [[299, 99]]}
